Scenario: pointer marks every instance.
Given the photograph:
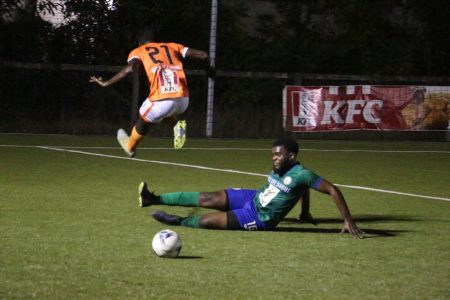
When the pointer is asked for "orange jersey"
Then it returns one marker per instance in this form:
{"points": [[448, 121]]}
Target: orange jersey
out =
{"points": [[164, 68]]}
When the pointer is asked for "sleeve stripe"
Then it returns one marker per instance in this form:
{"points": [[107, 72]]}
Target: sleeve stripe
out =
{"points": [[133, 57], [183, 52], [316, 185]]}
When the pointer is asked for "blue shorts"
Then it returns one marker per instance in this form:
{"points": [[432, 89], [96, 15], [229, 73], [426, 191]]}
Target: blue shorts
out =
{"points": [[241, 204]]}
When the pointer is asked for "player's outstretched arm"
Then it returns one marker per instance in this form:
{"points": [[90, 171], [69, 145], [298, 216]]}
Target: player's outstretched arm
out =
{"points": [[199, 54], [350, 226], [124, 72]]}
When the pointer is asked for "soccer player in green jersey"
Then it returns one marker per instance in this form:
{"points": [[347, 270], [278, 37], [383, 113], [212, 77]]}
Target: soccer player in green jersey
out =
{"points": [[242, 209]]}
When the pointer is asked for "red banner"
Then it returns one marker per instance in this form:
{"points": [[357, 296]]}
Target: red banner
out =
{"points": [[307, 108]]}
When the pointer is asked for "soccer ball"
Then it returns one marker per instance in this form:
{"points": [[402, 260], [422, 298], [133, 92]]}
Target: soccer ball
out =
{"points": [[166, 243]]}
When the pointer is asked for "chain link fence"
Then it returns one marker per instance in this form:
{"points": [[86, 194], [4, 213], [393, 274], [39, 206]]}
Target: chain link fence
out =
{"points": [[46, 98]]}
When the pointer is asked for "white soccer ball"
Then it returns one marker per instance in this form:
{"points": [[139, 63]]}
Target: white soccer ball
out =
{"points": [[166, 243]]}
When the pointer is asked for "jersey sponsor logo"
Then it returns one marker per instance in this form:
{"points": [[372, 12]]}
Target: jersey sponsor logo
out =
{"points": [[287, 180], [168, 79], [158, 67], [279, 185], [267, 195]]}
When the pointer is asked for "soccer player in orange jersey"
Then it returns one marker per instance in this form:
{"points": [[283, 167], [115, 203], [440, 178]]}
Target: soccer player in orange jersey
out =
{"points": [[169, 93]]}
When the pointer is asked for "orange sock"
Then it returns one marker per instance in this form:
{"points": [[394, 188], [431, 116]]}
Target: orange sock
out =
{"points": [[134, 140]]}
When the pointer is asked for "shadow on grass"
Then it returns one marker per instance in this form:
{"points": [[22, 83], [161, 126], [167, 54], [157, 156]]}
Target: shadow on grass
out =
{"points": [[357, 219], [369, 233]]}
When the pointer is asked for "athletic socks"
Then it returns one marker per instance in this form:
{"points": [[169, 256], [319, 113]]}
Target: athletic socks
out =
{"points": [[189, 199], [193, 222], [180, 199], [134, 140]]}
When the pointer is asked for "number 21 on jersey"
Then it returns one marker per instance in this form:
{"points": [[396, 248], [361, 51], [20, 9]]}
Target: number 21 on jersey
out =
{"points": [[154, 53]]}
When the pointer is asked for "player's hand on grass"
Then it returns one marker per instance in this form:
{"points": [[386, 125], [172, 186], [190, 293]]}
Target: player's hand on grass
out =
{"points": [[351, 228], [307, 218], [98, 80]]}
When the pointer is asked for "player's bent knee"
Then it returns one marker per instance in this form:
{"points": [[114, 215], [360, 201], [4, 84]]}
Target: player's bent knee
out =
{"points": [[214, 221], [142, 126], [215, 200]]}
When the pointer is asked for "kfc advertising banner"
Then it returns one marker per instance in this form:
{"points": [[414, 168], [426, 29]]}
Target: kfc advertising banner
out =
{"points": [[313, 108]]}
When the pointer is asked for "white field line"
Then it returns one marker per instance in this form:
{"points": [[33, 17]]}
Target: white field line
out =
{"points": [[151, 161], [234, 171], [240, 149], [357, 187]]}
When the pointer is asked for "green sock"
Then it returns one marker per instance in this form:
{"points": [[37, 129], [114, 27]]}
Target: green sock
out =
{"points": [[180, 199], [192, 221]]}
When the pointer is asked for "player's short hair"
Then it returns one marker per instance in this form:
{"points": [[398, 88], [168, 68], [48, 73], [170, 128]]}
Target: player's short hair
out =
{"points": [[289, 143], [147, 34]]}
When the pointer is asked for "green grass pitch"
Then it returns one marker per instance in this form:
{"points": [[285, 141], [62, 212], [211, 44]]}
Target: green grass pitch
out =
{"points": [[70, 227]]}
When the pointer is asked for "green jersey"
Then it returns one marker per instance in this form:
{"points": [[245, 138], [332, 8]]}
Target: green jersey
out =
{"points": [[274, 201]]}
